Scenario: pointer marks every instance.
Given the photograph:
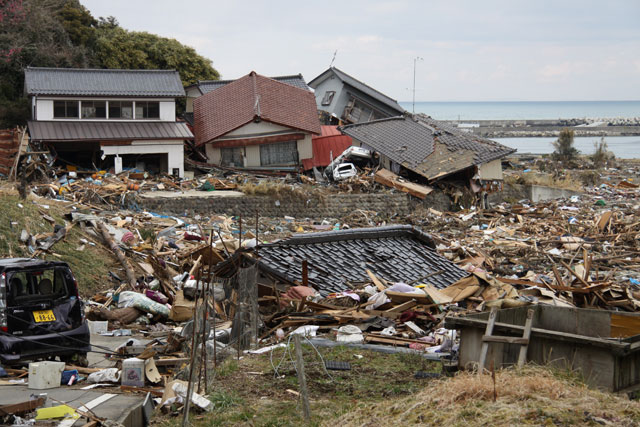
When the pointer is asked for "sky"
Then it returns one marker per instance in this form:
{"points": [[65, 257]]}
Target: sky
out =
{"points": [[489, 50]]}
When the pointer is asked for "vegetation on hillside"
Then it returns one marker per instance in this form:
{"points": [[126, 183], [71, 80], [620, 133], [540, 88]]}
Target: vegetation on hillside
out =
{"points": [[63, 33]]}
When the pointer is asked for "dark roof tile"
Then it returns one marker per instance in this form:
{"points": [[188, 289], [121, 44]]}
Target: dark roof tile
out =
{"points": [[395, 253], [84, 131], [102, 82]]}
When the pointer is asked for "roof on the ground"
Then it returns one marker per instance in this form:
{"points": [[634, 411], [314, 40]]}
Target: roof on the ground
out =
{"points": [[253, 98], [426, 146], [330, 143], [102, 82], [296, 80], [100, 131], [362, 87], [395, 253]]}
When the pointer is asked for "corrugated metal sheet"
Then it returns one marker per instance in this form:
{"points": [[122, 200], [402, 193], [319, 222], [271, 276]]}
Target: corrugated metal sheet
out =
{"points": [[100, 131], [330, 142], [94, 82], [335, 258]]}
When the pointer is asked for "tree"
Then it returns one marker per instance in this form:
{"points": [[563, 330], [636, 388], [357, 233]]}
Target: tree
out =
{"points": [[564, 149], [601, 155], [62, 33], [116, 47]]}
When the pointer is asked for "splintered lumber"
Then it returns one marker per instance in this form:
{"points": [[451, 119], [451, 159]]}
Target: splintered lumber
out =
{"points": [[381, 287], [385, 339], [390, 179], [400, 297], [131, 277]]}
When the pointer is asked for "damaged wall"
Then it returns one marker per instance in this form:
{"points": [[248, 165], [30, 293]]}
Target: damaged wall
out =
{"points": [[336, 206]]}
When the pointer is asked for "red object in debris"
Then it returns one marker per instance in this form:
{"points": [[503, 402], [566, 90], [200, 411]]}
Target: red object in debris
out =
{"points": [[128, 237], [297, 293], [156, 296], [194, 237], [330, 143]]}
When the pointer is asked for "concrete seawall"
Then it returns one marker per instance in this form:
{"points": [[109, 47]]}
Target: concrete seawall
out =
{"points": [[542, 128]]}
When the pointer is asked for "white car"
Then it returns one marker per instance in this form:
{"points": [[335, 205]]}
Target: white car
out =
{"points": [[344, 171]]}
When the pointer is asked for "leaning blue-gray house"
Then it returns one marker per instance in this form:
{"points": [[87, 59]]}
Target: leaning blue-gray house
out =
{"points": [[342, 99]]}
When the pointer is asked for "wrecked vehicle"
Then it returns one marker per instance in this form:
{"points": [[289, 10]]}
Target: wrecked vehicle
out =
{"points": [[41, 314], [344, 171]]}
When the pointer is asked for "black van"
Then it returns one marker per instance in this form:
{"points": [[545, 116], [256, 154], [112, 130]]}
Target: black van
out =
{"points": [[41, 314]]}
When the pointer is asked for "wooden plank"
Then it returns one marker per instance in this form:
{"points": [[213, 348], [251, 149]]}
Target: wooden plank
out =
{"points": [[376, 281], [522, 357], [623, 326], [485, 345], [504, 340], [403, 307], [613, 346], [399, 297], [171, 361], [157, 392], [384, 339], [390, 179], [22, 407]]}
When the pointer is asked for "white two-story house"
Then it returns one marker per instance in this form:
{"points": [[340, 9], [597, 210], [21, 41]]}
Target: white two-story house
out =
{"points": [[108, 118]]}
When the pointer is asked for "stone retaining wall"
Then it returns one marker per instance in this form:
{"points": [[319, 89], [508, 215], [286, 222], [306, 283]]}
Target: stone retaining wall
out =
{"points": [[331, 206]]}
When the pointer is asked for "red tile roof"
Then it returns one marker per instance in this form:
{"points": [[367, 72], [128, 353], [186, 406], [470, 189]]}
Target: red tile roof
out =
{"points": [[253, 97], [330, 143]]}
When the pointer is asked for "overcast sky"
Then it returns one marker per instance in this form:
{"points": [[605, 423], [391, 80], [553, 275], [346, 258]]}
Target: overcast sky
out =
{"points": [[473, 50]]}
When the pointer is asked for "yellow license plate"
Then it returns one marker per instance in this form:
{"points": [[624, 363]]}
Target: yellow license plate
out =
{"points": [[44, 316]]}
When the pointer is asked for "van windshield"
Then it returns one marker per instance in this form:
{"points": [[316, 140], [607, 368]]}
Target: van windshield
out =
{"points": [[30, 285]]}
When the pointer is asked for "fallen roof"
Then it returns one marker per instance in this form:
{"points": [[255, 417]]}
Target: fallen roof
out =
{"points": [[102, 82], [362, 87], [395, 253], [253, 98], [100, 131], [206, 86], [326, 147], [426, 146]]}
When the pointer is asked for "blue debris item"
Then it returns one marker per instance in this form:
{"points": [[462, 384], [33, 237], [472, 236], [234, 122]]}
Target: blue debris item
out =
{"points": [[573, 220], [3, 373], [634, 281], [66, 377]]}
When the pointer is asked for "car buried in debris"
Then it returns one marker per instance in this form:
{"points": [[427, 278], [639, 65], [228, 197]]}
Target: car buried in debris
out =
{"points": [[41, 314]]}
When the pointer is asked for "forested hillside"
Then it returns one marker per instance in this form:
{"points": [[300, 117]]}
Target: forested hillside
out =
{"points": [[62, 33]]}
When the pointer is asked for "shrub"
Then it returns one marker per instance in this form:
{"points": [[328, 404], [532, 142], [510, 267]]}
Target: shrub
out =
{"points": [[564, 149]]}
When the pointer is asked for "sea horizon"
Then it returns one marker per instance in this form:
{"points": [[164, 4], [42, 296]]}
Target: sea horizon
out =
{"points": [[524, 110]]}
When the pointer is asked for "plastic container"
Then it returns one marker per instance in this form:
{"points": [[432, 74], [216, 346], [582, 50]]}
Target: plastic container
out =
{"points": [[98, 326], [43, 375], [133, 372]]}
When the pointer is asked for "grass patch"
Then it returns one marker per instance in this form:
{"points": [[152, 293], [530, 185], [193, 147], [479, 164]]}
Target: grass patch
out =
{"points": [[90, 266], [532, 395]]}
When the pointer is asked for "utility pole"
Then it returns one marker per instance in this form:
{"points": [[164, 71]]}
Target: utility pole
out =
{"points": [[415, 60]]}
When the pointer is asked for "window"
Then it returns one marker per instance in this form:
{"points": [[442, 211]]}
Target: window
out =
{"points": [[279, 154], [120, 110], [232, 156], [147, 110], [65, 109], [328, 97], [94, 110], [48, 283]]}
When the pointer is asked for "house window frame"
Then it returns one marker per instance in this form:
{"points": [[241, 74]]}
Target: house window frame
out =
{"points": [[95, 109], [67, 103], [144, 109], [112, 104], [268, 156], [327, 99], [237, 153]]}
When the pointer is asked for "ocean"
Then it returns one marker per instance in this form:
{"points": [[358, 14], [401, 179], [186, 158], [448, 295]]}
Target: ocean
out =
{"points": [[526, 110], [626, 147]]}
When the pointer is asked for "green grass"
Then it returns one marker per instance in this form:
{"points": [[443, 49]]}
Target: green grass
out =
{"points": [[246, 391], [90, 266]]}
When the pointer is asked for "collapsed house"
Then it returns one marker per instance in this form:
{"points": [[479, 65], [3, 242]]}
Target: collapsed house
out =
{"points": [[256, 123], [341, 98], [337, 259], [105, 118], [426, 150]]}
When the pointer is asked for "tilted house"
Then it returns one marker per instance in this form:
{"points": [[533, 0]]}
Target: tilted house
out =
{"points": [[430, 149], [345, 99], [256, 122], [109, 117]]}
